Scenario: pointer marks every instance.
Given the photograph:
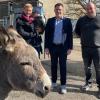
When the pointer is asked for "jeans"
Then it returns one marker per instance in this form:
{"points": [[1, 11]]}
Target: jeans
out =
{"points": [[91, 55]]}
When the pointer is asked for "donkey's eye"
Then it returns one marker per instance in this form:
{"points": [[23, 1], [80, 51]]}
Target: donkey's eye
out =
{"points": [[25, 63]]}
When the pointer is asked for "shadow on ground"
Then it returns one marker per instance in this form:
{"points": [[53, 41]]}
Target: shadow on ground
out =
{"points": [[75, 68], [71, 88]]}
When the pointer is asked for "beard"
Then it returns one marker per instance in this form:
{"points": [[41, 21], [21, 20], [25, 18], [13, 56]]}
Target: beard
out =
{"points": [[91, 15]]}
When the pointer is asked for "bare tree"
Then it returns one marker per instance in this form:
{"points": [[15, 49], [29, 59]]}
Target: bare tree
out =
{"points": [[76, 8]]}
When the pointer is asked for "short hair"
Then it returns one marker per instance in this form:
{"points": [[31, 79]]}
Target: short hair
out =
{"points": [[58, 4], [90, 3], [28, 5]]}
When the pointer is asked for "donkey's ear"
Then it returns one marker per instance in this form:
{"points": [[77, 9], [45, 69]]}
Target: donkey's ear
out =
{"points": [[3, 31]]}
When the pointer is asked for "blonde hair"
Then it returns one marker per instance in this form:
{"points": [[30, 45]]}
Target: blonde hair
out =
{"points": [[28, 5]]}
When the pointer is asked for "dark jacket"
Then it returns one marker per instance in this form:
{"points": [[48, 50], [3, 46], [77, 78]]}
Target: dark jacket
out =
{"points": [[66, 31], [88, 29], [28, 30]]}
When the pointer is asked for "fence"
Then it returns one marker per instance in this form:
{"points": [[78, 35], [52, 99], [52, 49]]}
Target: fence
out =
{"points": [[4, 22], [14, 10]]}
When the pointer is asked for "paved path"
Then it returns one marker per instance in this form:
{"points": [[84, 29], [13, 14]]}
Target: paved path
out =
{"points": [[74, 81]]}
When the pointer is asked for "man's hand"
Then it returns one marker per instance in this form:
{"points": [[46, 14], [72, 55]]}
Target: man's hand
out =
{"points": [[69, 51], [47, 52]]}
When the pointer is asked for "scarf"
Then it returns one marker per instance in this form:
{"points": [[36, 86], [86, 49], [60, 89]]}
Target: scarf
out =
{"points": [[27, 18]]}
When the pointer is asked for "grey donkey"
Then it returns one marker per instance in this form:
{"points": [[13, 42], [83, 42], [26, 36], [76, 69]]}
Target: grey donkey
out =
{"points": [[20, 65]]}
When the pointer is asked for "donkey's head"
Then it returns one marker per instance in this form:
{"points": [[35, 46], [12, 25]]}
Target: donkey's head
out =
{"points": [[25, 63]]}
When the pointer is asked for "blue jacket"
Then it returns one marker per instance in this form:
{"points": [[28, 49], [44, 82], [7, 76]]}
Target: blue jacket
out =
{"points": [[66, 31]]}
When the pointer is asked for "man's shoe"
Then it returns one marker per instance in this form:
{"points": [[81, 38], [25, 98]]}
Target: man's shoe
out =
{"points": [[63, 89], [86, 87], [54, 85]]}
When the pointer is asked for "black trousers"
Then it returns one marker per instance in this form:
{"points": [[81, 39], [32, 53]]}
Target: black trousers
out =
{"points": [[38, 49], [91, 55], [58, 55]]}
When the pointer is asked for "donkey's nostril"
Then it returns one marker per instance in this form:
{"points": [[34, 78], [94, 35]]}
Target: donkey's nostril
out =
{"points": [[47, 89]]}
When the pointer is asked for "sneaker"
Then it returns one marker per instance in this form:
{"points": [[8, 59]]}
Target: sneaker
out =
{"points": [[54, 85], [86, 87], [63, 89]]}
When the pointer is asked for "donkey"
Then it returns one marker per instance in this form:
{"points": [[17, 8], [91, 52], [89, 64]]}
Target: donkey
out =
{"points": [[20, 65]]}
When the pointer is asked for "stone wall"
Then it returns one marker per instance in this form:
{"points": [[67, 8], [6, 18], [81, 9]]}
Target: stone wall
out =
{"points": [[49, 7]]}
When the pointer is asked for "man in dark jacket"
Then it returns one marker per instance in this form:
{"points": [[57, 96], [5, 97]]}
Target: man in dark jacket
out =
{"points": [[30, 27], [58, 42], [88, 28]]}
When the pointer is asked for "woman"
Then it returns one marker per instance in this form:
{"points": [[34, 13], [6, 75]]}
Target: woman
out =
{"points": [[26, 27]]}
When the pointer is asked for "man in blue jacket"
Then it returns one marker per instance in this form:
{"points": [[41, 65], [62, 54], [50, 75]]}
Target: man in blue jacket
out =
{"points": [[58, 42]]}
